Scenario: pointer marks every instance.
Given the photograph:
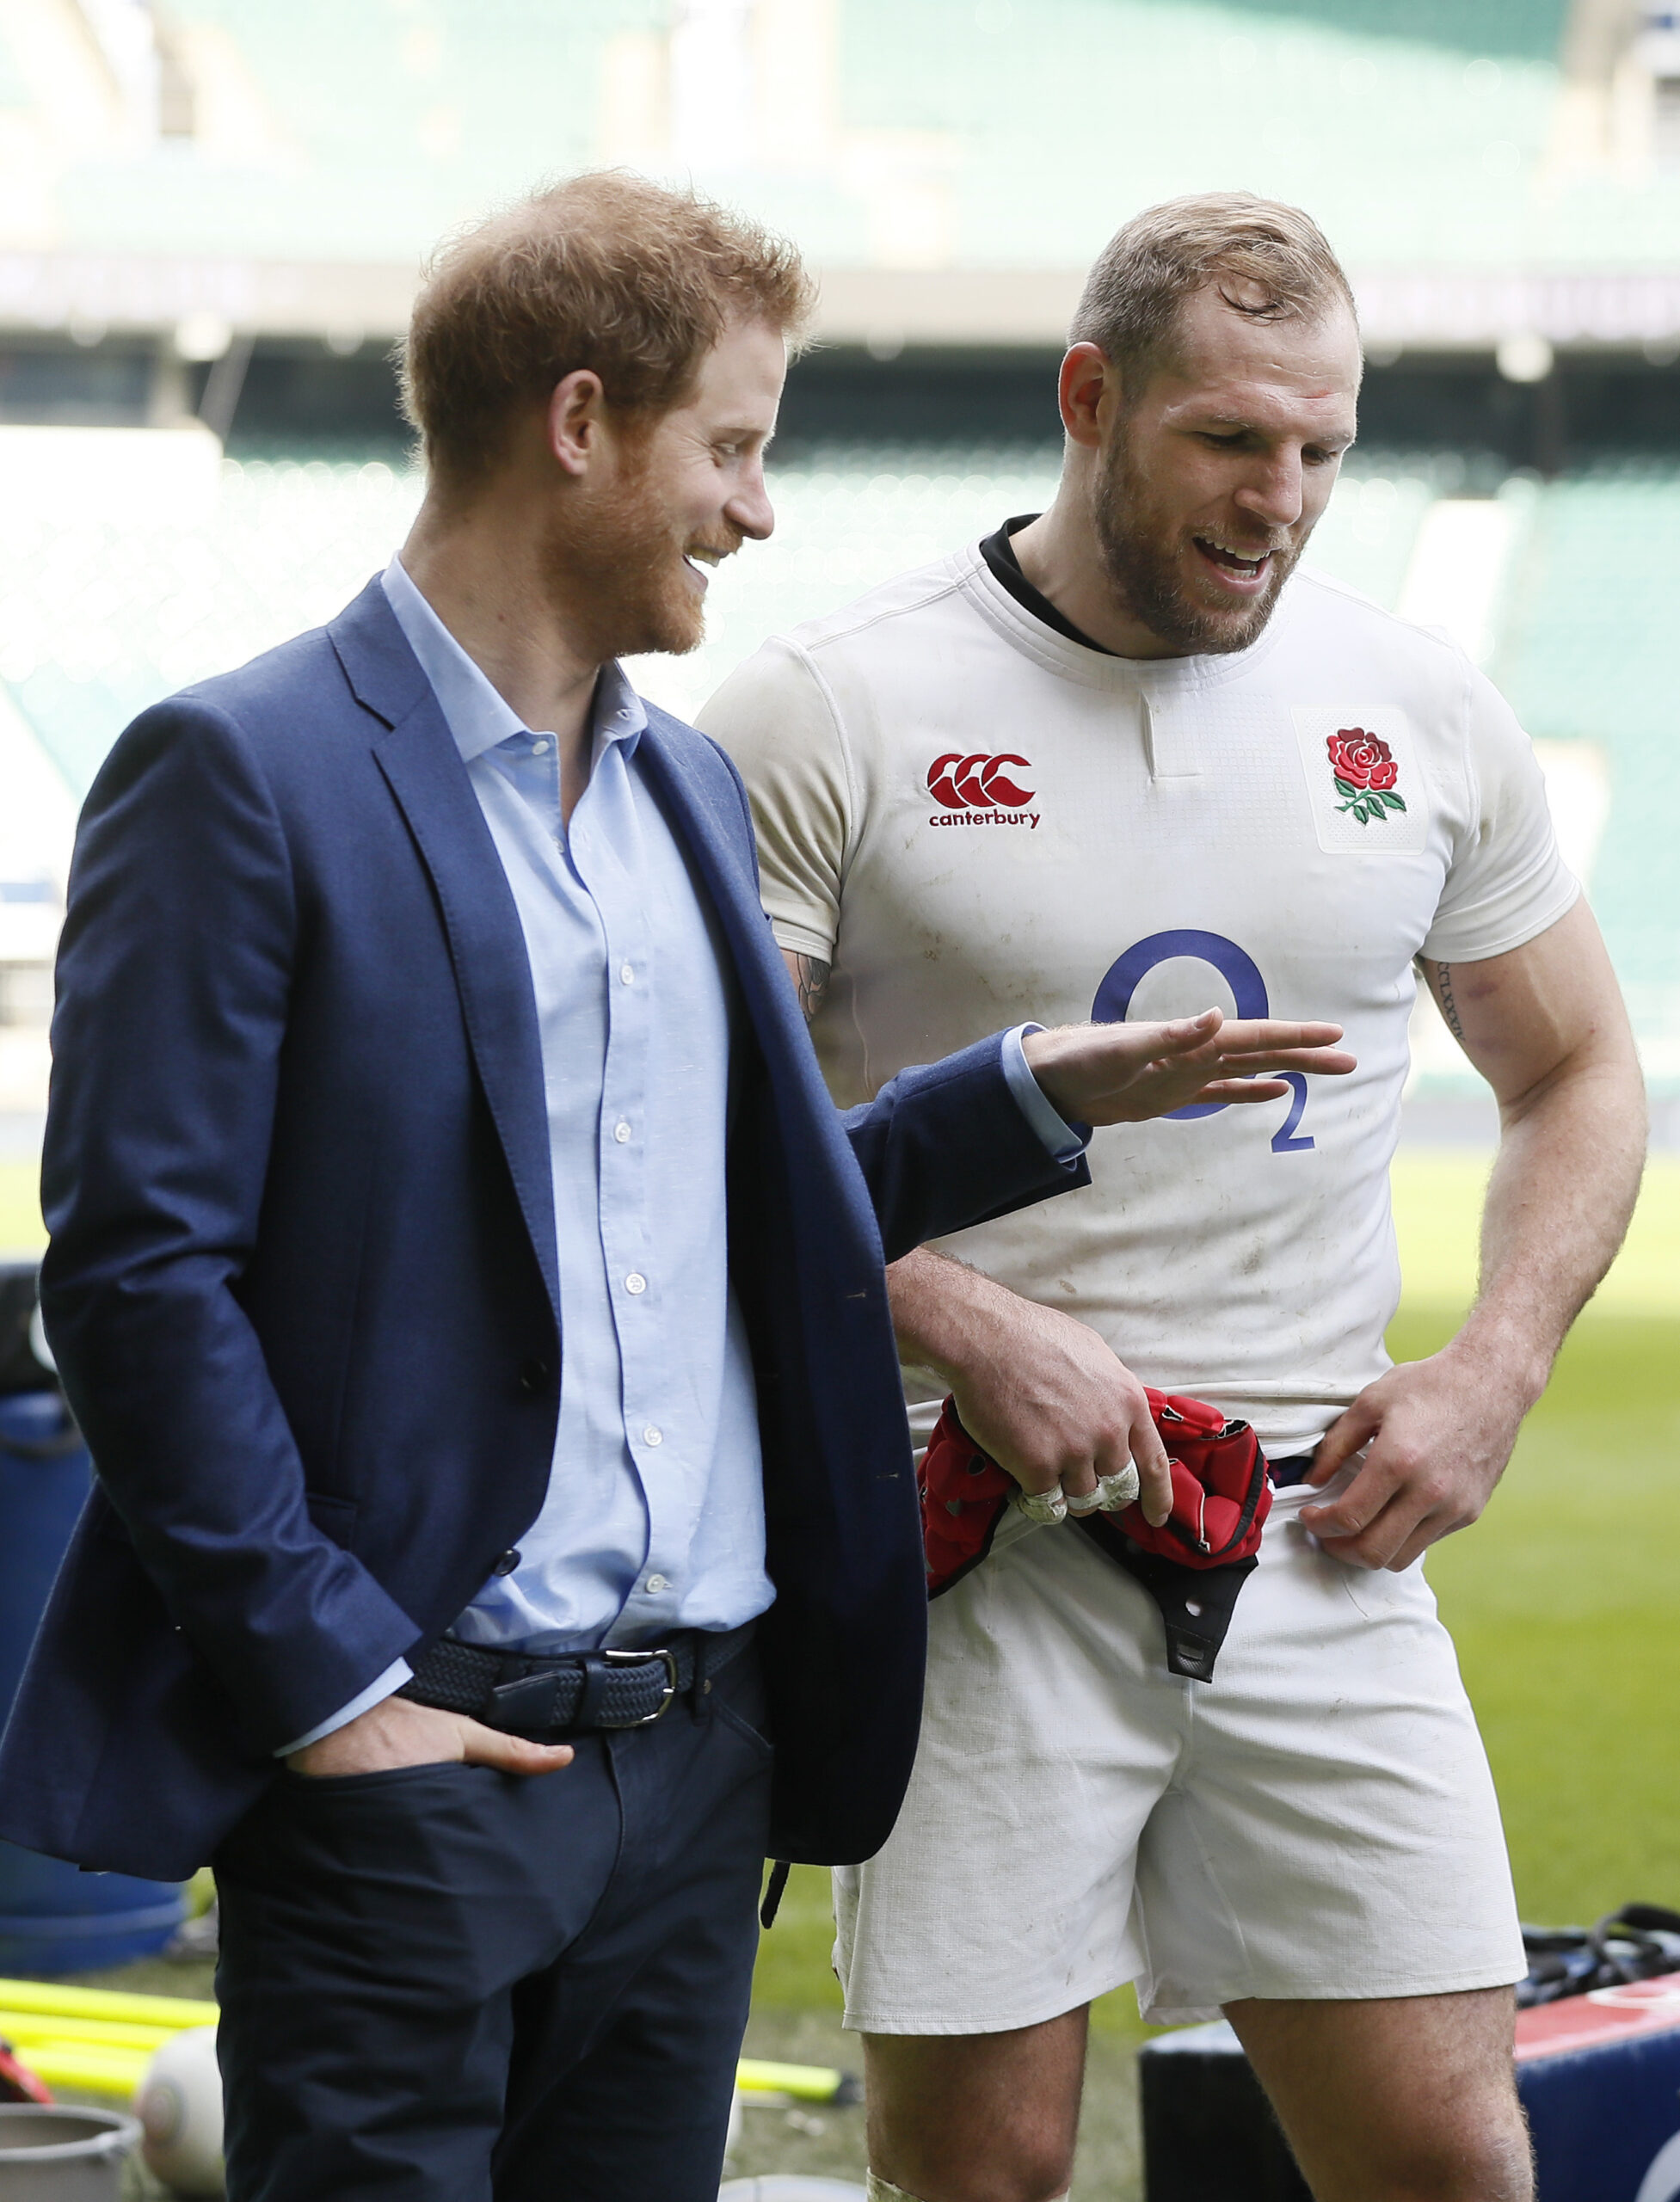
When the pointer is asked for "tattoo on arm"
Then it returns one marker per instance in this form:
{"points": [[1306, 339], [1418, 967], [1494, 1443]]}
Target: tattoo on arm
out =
{"points": [[811, 976], [1443, 992]]}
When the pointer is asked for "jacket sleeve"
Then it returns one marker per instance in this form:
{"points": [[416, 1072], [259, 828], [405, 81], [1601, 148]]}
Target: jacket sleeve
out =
{"points": [[946, 1144], [175, 969]]}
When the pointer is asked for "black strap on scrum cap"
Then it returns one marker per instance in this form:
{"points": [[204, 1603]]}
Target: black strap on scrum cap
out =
{"points": [[1195, 1602]]}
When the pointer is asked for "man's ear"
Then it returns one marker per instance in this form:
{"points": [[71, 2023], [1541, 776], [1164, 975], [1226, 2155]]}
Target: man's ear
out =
{"points": [[1087, 373], [576, 420]]}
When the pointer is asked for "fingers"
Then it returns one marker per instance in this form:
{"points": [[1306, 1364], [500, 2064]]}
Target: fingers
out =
{"points": [[1352, 1511], [1058, 1411], [1392, 1539], [1112, 1494], [1386, 1517], [1355, 1427], [1180, 1034], [483, 1746], [1153, 1472], [1241, 1091], [1094, 1471], [1046, 1506], [1238, 1087], [1256, 1035], [1110, 1073], [1317, 1062], [1254, 1042]]}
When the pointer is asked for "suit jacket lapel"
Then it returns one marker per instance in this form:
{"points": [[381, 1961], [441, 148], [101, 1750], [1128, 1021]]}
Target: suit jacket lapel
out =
{"points": [[420, 761], [706, 812]]}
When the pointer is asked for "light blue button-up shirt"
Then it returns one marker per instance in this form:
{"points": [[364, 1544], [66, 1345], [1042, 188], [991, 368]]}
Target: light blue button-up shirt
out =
{"points": [[654, 1516]]}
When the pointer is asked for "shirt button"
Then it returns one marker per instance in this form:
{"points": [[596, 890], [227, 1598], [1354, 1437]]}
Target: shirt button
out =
{"points": [[621, 1131], [636, 1281], [626, 973], [653, 1435], [659, 1583], [539, 747]]}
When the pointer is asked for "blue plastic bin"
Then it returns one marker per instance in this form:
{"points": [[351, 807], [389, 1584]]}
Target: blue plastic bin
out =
{"points": [[54, 1918]]}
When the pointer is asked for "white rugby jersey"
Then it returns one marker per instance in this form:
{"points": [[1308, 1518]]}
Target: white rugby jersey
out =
{"points": [[977, 821]]}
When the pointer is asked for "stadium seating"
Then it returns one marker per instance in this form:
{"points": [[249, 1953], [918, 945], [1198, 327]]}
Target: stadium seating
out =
{"points": [[1170, 98], [1421, 132], [1588, 654], [100, 617]]}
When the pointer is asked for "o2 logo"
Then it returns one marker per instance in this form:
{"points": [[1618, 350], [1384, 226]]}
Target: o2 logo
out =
{"points": [[1239, 972]]}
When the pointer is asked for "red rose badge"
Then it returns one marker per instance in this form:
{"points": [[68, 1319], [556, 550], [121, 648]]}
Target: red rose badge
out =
{"points": [[1365, 773]]}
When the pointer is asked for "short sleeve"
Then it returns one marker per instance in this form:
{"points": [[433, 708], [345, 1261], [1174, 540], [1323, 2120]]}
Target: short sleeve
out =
{"points": [[1508, 882], [776, 719]]}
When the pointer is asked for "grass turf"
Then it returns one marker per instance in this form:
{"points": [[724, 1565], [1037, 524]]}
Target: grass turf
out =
{"points": [[21, 1229]]}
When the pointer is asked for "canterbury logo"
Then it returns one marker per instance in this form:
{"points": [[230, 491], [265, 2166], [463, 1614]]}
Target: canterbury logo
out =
{"points": [[977, 783]]}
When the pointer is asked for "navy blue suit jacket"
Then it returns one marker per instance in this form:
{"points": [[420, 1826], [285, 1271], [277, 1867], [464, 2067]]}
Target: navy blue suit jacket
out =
{"points": [[301, 1284]]}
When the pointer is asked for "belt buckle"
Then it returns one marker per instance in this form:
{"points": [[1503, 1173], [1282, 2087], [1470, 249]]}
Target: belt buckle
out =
{"points": [[638, 1658]]}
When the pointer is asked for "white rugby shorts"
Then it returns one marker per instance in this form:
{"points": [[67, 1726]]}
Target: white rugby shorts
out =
{"points": [[1317, 1822]]}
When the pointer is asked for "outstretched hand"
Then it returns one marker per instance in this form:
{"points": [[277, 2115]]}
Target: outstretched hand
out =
{"points": [[1125, 1073]]}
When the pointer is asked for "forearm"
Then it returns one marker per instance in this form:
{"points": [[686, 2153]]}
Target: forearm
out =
{"points": [[944, 1314], [1558, 1205], [1041, 1390], [1544, 1026]]}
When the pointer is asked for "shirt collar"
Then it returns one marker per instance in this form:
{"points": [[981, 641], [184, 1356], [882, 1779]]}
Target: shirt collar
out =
{"points": [[477, 716]]}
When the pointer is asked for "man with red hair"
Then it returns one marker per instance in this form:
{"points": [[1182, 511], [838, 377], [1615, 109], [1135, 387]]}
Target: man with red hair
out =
{"points": [[474, 1302]]}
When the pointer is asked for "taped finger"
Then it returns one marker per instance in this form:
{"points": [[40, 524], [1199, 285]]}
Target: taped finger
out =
{"points": [[1042, 1505], [1119, 1490]]}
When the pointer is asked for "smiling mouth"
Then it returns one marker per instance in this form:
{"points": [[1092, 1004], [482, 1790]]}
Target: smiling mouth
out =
{"points": [[702, 554], [1232, 564]]}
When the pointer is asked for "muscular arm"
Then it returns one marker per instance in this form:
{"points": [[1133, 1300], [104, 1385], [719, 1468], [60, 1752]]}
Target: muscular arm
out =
{"points": [[1039, 1390], [1047, 1398], [810, 977], [1546, 1027]]}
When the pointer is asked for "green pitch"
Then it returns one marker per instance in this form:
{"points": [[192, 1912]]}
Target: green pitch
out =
{"points": [[20, 1210]]}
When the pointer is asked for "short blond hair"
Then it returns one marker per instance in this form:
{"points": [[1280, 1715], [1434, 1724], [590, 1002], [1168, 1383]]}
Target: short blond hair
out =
{"points": [[605, 271], [1133, 297]]}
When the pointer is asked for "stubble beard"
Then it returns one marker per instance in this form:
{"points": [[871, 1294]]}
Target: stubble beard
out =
{"points": [[1136, 543]]}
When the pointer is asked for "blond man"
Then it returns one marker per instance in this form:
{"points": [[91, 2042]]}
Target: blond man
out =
{"points": [[1118, 754]]}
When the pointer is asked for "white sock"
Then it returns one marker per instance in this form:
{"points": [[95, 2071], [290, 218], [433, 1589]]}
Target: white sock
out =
{"points": [[881, 2190]]}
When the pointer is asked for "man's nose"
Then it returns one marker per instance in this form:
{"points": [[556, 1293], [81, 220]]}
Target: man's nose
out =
{"points": [[749, 508], [1273, 493]]}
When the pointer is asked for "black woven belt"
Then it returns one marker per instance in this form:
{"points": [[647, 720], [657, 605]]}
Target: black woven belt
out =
{"points": [[569, 1692]]}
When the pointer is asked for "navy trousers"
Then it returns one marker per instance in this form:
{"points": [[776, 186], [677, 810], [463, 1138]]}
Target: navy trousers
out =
{"points": [[446, 1984]]}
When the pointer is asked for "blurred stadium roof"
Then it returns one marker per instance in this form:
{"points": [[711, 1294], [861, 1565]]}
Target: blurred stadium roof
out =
{"points": [[212, 203], [1489, 169]]}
